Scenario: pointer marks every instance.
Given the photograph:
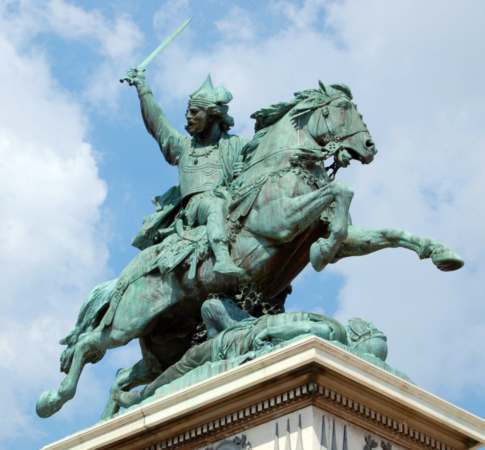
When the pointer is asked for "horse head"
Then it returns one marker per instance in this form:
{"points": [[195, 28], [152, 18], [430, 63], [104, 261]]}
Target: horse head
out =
{"points": [[325, 118], [334, 123]]}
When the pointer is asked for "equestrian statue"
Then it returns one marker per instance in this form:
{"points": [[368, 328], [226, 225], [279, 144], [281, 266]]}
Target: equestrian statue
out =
{"points": [[245, 219]]}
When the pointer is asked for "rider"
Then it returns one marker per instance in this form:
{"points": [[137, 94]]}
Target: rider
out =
{"points": [[207, 162]]}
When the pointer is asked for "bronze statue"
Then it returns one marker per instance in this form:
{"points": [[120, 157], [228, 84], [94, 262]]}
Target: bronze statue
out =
{"points": [[245, 214]]}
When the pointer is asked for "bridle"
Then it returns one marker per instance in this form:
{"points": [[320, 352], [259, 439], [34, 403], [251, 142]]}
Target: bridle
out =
{"points": [[330, 148], [333, 142]]}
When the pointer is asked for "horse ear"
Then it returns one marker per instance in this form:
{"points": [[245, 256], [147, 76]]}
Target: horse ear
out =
{"points": [[322, 87], [343, 88]]}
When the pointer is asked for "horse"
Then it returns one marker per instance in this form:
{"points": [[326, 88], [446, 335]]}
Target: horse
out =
{"points": [[287, 210]]}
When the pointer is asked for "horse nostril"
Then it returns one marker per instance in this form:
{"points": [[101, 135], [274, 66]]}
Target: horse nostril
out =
{"points": [[370, 145]]}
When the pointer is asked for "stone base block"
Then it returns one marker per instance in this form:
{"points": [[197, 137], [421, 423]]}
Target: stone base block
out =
{"points": [[309, 395]]}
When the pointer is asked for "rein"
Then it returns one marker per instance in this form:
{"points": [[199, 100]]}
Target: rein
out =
{"points": [[333, 146]]}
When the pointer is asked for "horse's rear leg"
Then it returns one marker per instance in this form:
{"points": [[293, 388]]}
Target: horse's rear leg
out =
{"points": [[143, 300], [362, 242], [126, 379], [143, 372], [90, 347]]}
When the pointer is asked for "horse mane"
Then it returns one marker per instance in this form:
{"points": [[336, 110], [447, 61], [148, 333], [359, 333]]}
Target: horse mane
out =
{"points": [[271, 114], [306, 100]]}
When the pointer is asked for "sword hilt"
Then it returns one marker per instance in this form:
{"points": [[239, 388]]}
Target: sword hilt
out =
{"points": [[131, 74]]}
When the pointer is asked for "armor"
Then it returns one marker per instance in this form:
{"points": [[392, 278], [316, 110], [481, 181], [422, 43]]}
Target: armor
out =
{"points": [[200, 170]]}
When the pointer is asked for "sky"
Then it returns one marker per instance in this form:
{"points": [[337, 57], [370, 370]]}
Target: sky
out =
{"points": [[78, 170]]}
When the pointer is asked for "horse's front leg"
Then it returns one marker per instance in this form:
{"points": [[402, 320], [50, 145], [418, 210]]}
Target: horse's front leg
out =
{"points": [[323, 251], [283, 218], [362, 242]]}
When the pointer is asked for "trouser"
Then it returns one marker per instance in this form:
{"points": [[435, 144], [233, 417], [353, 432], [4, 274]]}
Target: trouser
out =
{"points": [[210, 209]]}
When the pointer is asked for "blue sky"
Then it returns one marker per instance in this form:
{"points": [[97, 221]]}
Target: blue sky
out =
{"points": [[78, 170]]}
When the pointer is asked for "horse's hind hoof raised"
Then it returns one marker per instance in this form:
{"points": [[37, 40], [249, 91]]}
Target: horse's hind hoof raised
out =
{"points": [[446, 260], [48, 404]]}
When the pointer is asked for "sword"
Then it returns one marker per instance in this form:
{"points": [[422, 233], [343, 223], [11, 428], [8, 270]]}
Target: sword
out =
{"points": [[143, 65]]}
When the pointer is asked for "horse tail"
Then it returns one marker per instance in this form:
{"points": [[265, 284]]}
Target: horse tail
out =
{"points": [[90, 315]]}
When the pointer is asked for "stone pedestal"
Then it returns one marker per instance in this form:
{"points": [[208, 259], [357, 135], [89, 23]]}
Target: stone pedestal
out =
{"points": [[309, 395]]}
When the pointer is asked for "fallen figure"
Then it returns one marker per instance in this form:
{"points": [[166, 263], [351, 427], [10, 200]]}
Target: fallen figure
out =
{"points": [[236, 336]]}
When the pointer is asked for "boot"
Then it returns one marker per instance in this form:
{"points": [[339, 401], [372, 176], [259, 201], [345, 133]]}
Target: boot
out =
{"points": [[224, 263]]}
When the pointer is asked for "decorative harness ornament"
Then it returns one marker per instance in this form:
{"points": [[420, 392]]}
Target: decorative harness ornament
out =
{"points": [[333, 143]]}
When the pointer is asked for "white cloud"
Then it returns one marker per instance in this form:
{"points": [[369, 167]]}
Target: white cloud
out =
{"points": [[301, 14], [428, 178], [237, 25], [115, 39], [171, 13], [417, 77], [51, 244]]}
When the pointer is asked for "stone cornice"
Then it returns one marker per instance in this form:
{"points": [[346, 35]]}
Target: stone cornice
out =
{"points": [[308, 371]]}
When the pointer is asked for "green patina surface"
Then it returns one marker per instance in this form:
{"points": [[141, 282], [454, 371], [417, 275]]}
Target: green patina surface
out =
{"points": [[221, 249], [236, 337]]}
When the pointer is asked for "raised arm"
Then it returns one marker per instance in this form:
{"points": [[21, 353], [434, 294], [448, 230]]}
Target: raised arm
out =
{"points": [[171, 142]]}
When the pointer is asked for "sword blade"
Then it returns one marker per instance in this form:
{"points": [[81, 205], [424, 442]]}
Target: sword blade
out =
{"points": [[165, 42]]}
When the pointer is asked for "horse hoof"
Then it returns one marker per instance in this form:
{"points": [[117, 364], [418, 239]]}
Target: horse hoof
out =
{"points": [[446, 260], [48, 404]]}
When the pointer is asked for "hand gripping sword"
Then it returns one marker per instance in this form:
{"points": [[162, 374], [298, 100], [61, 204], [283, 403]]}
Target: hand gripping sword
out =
{"points": [[143, 65]]}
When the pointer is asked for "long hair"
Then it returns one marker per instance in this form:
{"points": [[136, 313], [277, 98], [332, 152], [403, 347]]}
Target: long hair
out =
{"points": [[220, 113]]}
